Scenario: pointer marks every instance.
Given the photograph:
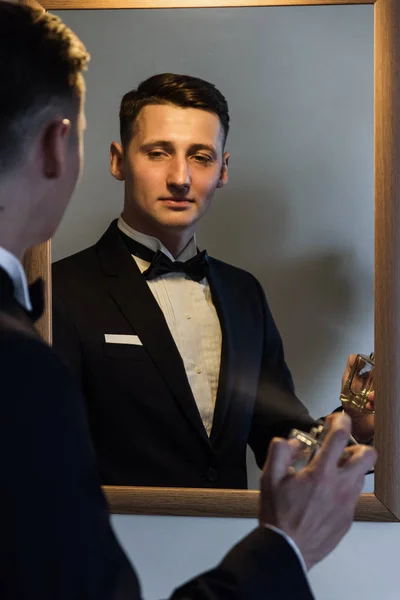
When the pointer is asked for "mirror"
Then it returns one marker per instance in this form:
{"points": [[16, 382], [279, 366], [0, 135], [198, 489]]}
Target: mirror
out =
{"points": [[297, 211], [294, 256]]}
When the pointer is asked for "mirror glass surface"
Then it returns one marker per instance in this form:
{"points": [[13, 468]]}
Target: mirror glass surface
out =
{"points": [[297, 211]]}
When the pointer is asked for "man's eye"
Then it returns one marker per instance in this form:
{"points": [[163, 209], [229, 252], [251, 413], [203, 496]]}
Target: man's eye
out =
{"points": [[202, 158], [156, 154]]}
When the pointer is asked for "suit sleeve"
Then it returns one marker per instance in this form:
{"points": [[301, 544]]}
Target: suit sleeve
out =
{"points": [[261, 567], [56, 540], [277, 409]]}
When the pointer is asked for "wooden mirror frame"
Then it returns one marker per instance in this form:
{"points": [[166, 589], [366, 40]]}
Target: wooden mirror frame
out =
{"points": [[384, 504]]}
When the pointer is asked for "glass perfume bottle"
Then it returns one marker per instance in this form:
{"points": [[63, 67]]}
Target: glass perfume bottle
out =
{"points": [[359, 386], [309, 443]]}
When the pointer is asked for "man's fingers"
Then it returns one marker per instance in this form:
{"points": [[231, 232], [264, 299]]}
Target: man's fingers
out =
{"points": [[350, 362], [31, 4], [281, 454], [370, 405], [335, 442], [360, 460]]}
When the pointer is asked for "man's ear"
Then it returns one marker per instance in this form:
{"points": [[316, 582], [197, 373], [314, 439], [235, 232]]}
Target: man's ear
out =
{"points": [[223, 176], [54, 145], [117, 161]]}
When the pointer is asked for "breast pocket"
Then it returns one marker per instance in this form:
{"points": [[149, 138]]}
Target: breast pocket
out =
{"points": [[131, 352]]}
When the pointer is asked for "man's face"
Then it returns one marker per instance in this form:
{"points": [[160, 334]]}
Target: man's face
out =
{"points": [[171, 168]]}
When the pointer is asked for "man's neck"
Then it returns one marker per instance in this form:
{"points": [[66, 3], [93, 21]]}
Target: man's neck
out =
{"points": [[175, 244], [10, 241], [14, 228], [174, 241]]}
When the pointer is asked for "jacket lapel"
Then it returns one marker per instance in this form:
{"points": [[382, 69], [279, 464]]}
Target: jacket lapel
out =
{"points": [[132, 295], [222, 298]]}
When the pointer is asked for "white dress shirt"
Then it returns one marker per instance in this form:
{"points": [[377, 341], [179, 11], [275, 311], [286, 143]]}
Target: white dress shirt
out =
{"points": [[13, 267], [192, 320]]}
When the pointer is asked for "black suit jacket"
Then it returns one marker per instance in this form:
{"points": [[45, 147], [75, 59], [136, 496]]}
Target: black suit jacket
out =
{"points": [[56, 541], [143, 417]]}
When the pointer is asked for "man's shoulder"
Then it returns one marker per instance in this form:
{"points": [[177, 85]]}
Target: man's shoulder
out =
{"points": [[86, 260], [12, 328], [16, 335], [77, 261], [24, 353], [228, 270], [34, 378], [85, 268], [76, 273]]}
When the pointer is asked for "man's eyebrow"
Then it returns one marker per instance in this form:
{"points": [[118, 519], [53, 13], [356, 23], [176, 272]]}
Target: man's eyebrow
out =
{"points": [[156, 144], [166, 145]]}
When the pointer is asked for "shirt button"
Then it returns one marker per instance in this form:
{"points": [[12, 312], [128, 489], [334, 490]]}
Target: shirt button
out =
{"points": [[188, 316], [198, 370]]}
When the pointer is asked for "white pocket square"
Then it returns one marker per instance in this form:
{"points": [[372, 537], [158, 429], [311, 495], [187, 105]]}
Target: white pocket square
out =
{"points": [[115, 338]]}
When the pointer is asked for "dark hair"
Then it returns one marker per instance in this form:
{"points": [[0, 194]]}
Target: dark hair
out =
{"points": [[169, 88], [41, 62]]}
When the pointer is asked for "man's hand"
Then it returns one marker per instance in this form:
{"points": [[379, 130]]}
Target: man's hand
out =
{"points": [[31, 3], [363, 425], [315, 506]]}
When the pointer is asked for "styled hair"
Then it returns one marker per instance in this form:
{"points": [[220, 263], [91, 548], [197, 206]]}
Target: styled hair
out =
{"points": [[168, 88], [41, 64]]}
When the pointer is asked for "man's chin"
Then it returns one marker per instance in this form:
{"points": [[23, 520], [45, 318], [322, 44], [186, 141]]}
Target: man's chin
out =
{"points": [[49, 231], [178, 221]]}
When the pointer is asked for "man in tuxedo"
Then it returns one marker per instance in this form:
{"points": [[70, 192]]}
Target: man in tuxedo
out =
{"points": [[56, 540], [178, 354]]}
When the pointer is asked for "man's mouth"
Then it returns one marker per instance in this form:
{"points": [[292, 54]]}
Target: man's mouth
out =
{"points": [[177, 204], [176, 199]]}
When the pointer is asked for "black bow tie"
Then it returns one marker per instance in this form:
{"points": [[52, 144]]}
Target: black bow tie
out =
{"points": [[36, 294], [9, 303], [195, 268]]}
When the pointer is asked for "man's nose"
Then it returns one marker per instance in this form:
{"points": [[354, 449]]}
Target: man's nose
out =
{"points": [[179, 178]]}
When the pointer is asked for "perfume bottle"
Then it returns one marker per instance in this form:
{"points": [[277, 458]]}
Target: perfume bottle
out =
{"points": [[309, 442], [359, 385]]}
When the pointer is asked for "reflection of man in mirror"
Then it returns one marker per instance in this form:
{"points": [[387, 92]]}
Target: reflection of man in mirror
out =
{"points": [[179, 357]]}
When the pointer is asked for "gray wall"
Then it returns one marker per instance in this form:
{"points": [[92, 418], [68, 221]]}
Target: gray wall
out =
{"points": [[298, 213], [167, 551]]}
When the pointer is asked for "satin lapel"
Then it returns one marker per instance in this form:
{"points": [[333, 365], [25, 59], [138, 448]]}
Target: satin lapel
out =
{"points": [[132, 295], [222, 298]]}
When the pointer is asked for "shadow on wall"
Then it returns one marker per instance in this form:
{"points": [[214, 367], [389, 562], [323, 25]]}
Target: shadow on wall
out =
{"points": [[318, 300], [317, 289]]}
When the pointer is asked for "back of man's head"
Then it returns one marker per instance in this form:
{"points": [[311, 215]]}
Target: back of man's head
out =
{"points": [[41, 62]]}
